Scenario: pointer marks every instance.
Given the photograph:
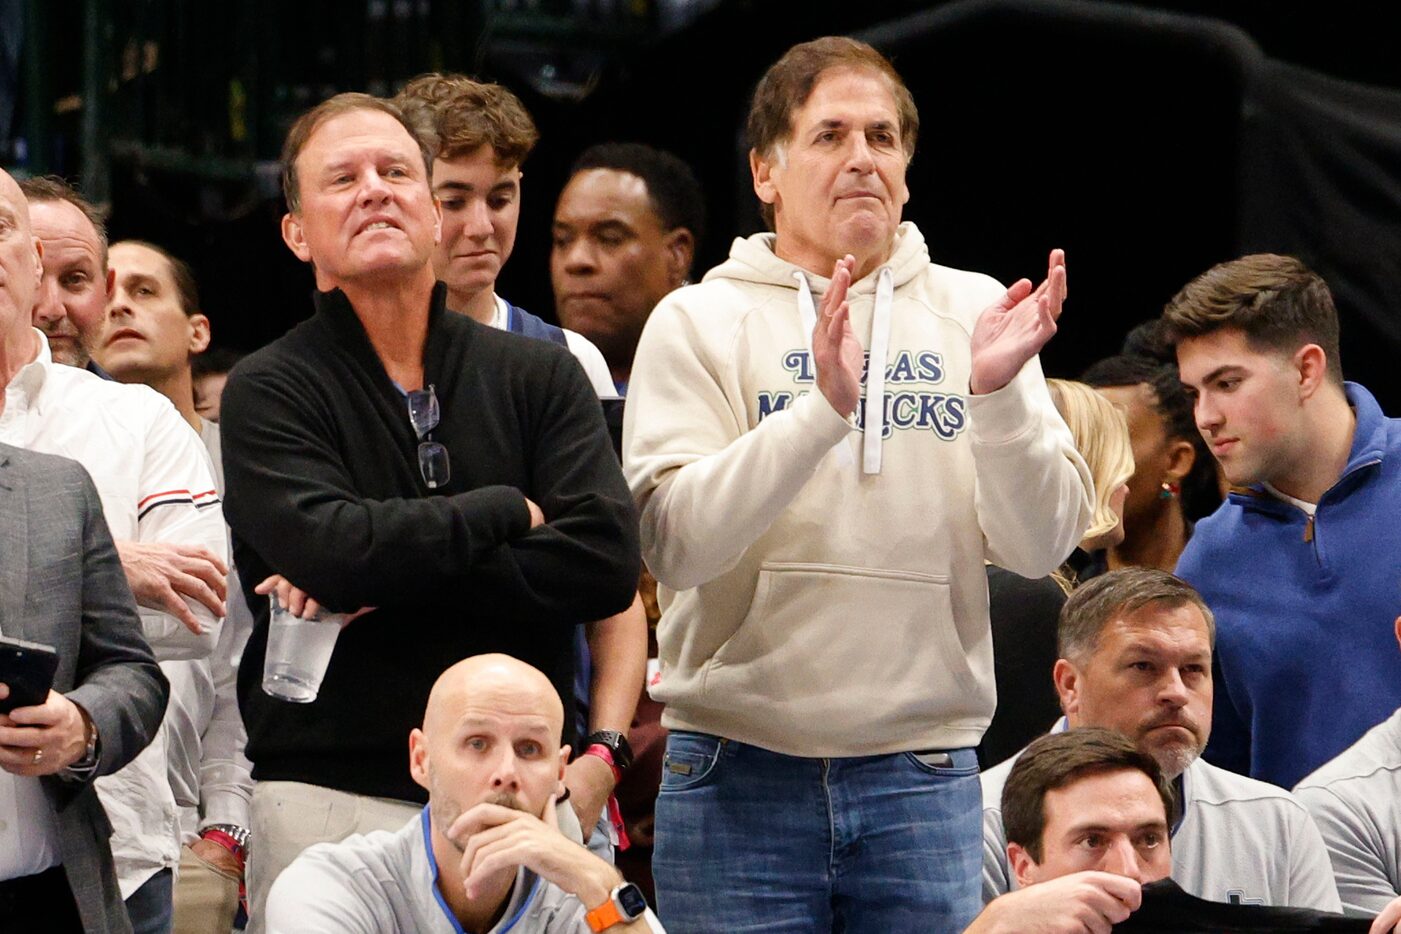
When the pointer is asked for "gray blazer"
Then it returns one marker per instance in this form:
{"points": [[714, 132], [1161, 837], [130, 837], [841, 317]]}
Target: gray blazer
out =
{"points": [[61, 583]]}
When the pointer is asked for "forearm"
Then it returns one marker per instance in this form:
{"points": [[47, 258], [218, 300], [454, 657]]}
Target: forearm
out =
{"points": [[1034, 493], [701, 510], [618, 647]]}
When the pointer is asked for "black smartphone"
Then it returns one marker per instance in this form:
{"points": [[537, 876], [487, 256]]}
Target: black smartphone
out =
{"points": [[28, 668]]}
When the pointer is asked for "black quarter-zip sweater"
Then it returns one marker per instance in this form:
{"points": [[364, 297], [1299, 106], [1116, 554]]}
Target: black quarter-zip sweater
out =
{"points": [[323, 487]]}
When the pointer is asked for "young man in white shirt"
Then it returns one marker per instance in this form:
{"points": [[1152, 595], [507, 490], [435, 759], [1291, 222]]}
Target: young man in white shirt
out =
{"points": [[154, 328]]}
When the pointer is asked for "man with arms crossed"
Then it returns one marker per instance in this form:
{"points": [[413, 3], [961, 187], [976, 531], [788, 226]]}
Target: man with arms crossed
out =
{"points": [[485, 853], [824, 640], [1135, 657], [389, 454], [1305, 554]]}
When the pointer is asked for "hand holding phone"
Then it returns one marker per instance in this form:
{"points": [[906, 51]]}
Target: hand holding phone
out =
{"points": [[27, 669]]}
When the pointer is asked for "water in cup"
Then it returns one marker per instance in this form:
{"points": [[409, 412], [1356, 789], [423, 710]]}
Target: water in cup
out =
{"points": [[299, 651]]}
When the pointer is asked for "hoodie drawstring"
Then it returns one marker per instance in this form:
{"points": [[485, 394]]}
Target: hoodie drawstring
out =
{"points": [[873, 421]]}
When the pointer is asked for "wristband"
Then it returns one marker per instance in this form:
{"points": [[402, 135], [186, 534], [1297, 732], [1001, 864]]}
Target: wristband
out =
{"points": [[603, 752], [234, 839]]}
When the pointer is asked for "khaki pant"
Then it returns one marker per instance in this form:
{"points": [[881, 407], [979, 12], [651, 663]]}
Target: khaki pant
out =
{"points": [[288, 817], [206, 898]]}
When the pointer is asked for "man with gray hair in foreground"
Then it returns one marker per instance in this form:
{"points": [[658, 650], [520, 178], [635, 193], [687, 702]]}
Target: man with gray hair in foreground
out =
{"points": [[485, 854], [1135, 657]]}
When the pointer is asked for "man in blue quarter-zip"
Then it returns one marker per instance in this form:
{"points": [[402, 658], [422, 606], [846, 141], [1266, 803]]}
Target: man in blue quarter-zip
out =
{"points": [[1302, 563]]}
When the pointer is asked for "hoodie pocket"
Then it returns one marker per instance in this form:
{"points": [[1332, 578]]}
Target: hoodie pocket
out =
{"points": [[828, 635]]}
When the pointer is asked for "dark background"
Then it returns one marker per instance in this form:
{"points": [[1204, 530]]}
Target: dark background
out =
{"points": [[1149, 140]]}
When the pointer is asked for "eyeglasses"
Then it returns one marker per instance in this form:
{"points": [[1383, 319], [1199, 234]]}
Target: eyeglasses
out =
{"points": [[432, 456]]}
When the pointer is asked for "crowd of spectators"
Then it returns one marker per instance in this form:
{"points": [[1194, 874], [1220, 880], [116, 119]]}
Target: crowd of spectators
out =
{"points": [[795, 598]]}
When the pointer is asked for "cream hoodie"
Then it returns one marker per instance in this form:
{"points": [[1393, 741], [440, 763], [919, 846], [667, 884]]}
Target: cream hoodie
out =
{"points": [[813, 605]]}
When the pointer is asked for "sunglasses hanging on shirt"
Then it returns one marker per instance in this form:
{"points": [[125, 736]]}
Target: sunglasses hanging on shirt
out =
{"points": [[424, 415]]}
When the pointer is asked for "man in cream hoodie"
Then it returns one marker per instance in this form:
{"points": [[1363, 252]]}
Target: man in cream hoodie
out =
{"points": [[826, 657]]}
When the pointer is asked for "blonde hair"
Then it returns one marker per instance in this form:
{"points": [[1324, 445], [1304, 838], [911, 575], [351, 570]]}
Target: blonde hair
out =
{"points": [[1101, 436]]}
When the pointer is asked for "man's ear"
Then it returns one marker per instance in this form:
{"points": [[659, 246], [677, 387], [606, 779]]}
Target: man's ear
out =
{"points": [[199, 334], [1067, 682], [418, 758], [1398, 630], [563, 762], [680, 246], [293, 237], [1023, 866], [1312, 364], [762, 171], [111, 283], [38, 258], [437, 221]]}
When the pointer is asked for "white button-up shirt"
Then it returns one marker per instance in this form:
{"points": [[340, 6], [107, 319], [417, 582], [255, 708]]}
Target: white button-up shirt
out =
{"points": [[209, 772], [156, 485]]}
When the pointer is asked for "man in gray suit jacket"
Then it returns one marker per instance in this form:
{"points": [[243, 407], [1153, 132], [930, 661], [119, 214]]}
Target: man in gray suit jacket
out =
{"points": [[62, 584]]}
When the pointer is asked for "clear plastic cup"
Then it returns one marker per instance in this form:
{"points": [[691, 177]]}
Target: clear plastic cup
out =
{"points": [[299, 651]]}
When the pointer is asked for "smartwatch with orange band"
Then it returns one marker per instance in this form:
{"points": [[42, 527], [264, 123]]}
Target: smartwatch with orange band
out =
{"points": [[625, 904]]}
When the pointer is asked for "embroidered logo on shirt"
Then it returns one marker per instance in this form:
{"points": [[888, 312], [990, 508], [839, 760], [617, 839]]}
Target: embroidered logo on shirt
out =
{"points": [[945, 414]]}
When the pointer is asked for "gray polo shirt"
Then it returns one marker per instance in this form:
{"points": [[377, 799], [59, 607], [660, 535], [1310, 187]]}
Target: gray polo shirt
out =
{"points": [[1238, 840], [1356, 800], [386, 883]]}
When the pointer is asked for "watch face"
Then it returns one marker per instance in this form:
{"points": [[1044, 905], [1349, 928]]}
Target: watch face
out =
{"points": [[631, 901]]}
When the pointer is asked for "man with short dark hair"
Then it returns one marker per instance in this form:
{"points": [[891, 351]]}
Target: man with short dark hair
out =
{"points": [[1087, 826], [626, 229], [451, 485], [1135, 657], [70, 307], [155, 328], [825, 649], [1304, 555], [485, 853]]}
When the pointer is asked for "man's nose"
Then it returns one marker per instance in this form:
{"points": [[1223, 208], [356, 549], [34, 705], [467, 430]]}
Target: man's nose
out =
{"points": [[579, 257], [1207, 415], [477, 223], [1122, 859], [373, 188], [859, 157], [118, 306], [505, 775], [1171, 689], [48, 306]]}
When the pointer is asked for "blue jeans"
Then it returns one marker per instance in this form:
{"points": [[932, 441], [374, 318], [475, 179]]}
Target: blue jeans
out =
{"points": [[151, 906], [751, 840]]}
